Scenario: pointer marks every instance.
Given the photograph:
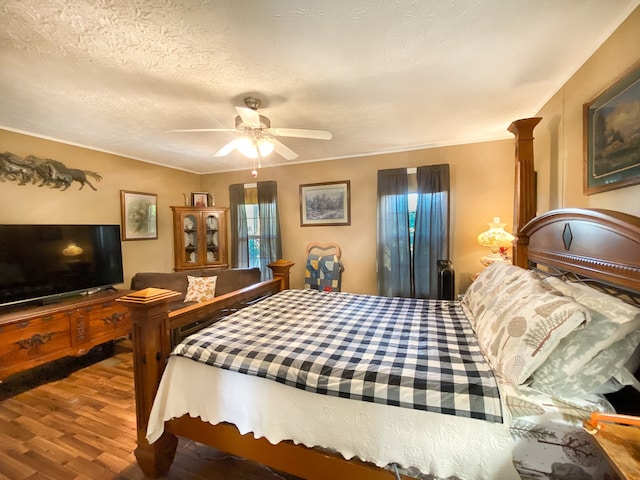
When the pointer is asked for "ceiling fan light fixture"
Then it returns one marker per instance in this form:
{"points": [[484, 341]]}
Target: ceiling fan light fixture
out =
{"points": [[247, 147], [265, 146]]}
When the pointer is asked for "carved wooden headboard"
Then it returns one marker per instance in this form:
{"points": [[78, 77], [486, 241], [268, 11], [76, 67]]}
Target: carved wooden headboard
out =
{"points": [[600, 245]]}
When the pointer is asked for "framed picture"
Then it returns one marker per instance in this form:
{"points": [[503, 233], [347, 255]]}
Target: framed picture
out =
{"points": [[323, 204], [612, 136], [139, 218], [199, 199]]}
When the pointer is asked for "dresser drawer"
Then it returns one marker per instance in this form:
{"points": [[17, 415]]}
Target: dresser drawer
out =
{"points": [[32, 342], [109, 320]]}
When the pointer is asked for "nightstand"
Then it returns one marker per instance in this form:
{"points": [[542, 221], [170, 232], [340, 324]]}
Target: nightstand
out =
{"points": [[618, 436]]}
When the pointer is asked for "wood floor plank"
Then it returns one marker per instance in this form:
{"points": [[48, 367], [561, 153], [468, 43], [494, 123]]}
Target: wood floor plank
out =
{"points": [[82, 426], [48, 467], [11, 467], [50, 449]]}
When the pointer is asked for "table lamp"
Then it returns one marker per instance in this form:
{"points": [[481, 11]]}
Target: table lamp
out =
{"points": [[497, 240]]}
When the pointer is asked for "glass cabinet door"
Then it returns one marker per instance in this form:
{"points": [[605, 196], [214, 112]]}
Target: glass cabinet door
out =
{"points": [[199, 238], [191, 252], [213, 242]]}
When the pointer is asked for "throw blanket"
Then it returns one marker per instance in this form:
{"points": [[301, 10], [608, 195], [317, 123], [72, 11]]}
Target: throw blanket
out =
{"points": [[412, 353], [323, 273]]}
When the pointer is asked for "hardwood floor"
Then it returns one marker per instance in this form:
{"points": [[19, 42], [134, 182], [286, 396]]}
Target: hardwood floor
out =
{"points": [[82, 427]]}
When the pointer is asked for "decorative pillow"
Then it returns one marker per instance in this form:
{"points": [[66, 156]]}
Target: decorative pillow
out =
{"points": [[200, 288], [604, 373], [487, 287], [522, 321], [587, 358]]}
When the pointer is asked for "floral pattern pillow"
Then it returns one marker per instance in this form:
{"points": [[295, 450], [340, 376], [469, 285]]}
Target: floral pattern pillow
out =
{"points": [[520, 321], [200, 289]]}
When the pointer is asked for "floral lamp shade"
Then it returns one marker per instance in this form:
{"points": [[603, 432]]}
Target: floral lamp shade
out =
{"points": [[498, 240]]}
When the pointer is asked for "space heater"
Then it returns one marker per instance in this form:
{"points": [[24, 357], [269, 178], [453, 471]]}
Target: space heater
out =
{"points": [[446, 280]]}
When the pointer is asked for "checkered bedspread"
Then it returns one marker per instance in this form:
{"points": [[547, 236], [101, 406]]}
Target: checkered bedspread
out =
{"points": [[412, 353]]}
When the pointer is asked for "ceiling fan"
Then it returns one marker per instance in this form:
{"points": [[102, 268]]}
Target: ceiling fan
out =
{"points": [[256, 138]]}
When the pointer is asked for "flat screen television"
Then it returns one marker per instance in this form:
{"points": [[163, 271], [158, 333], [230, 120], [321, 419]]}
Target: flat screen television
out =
{"points": [[43, 262]]}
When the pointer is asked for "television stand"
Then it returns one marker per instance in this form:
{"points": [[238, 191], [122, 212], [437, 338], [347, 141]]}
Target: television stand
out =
{"points": [[35, 335]]}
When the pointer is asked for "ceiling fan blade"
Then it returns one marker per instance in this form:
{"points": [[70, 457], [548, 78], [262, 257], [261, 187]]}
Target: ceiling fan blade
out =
{"points": [[302, 133], [249, 116], [203, 130], [283, 150], [226, 149]]}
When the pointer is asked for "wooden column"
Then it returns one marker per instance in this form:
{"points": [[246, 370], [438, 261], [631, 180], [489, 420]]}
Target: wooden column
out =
{"points": [[151, 347], [280, 269], [524, 208]]}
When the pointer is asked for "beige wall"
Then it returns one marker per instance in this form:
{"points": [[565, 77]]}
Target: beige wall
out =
{"points": [[559, 136], [33, 204], [481, 188], [481, 183]]}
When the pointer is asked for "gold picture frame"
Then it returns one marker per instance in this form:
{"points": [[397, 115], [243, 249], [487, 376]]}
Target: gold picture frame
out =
{"points": [[138, 213], [612, 136]]}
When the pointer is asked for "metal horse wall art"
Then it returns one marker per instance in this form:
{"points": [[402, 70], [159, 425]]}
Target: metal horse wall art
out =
{"points": [[44, 172]]}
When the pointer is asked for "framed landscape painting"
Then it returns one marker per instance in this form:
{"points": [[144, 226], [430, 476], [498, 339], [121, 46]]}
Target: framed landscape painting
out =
{"points": [[612, 136], [325, 204]]}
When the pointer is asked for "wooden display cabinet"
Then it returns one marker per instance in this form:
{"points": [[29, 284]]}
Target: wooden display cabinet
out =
{"points": [[199, 238]]}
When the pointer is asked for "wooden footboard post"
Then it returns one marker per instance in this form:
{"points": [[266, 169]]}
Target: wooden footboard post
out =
{"points": [[151, 347], [280, 269], [524, 208]]}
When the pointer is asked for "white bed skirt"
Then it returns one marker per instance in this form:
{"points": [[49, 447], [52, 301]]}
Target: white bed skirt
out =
{"points": [[436, 444]]}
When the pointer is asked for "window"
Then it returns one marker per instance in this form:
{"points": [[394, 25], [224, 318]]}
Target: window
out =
{"points": [[412, 201], [253, 233], [413, 230], [255, 226]]}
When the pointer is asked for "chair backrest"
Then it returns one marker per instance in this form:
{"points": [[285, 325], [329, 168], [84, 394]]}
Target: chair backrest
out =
{"points": [[325, 248]]}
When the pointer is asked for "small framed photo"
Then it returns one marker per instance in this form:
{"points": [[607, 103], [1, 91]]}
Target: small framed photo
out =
{"points": [[199, 199], [139, 215], [612, 136], [325, 204]]}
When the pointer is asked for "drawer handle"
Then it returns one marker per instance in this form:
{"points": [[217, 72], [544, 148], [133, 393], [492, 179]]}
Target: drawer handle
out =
{"points": [[36, 340], [114, 318]]}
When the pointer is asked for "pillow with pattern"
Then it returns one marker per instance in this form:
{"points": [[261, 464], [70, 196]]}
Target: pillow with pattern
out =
{"points": [[487, 288], [588, 358], [522, 322], [200, 288]]}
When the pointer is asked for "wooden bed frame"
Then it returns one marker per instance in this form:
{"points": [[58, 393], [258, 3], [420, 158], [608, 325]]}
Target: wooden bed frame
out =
{"points": [[601, 245]]}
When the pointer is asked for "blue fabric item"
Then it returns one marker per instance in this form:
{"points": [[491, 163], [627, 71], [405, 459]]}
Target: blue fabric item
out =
{"points": [[323, 272]]}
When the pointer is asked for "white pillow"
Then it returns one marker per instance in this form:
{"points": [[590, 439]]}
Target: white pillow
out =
{"points": [[200, 288]]}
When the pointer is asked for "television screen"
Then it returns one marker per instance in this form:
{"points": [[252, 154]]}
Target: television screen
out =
{"points": [[42, 261]]}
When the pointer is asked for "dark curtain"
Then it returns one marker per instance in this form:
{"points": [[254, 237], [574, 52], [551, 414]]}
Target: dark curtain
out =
{"points": [[393, 252], [270, 242], [238, 224], [431, 242]]}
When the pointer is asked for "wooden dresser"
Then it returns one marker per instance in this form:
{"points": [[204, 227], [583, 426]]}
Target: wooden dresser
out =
{"points": [[32, 336]]}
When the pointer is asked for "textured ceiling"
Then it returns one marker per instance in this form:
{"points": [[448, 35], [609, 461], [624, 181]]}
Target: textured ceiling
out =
{"points": [[382, 76]]}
